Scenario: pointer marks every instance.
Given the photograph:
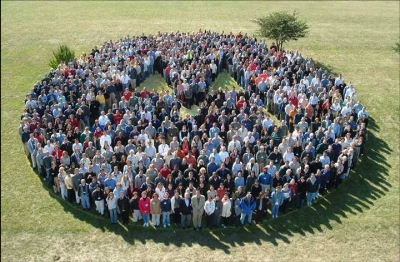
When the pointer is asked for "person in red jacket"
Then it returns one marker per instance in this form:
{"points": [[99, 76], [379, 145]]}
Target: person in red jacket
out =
{"points": [[57, 153], [117, 117], [240, 103], [165, 171], [144, 208]]}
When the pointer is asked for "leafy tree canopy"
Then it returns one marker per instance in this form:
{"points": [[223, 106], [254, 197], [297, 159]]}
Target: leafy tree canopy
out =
{"points": [[281, 27]]}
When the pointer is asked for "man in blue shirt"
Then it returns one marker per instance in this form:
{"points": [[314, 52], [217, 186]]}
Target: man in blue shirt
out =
{"points": [[110, 182], [265, 179], [212, 166]]}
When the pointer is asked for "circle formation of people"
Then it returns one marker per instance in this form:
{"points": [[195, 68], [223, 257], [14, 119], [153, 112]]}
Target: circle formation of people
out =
{"points": [[101, 139]]}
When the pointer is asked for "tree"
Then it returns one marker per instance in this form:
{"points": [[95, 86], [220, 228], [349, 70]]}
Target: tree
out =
{"points": [[281, 27], [63, 53]]}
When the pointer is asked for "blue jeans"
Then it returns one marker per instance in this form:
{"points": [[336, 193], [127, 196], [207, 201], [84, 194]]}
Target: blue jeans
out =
{"points": [[166, 218], [85, 201], [113, 216], [48, 178], [242, 82], [243, 216], [87, 118], [310, 197], [275, 210], [146, 218]]}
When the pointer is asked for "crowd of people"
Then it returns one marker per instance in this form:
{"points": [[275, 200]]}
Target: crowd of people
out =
{"points": [[100, 138]]}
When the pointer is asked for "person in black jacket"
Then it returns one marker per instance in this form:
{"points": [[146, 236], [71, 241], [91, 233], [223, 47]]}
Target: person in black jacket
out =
{"points": [[185, 209], [312, 189], [94, 108], [301, 191], [134, 204], [123, 206], [98, 197], [132, 75], [261, 208]]}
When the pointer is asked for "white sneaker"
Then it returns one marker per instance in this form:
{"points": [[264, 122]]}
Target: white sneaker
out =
{"points": [[169, 225], [165, 226], [147, 224], [144, 225]]}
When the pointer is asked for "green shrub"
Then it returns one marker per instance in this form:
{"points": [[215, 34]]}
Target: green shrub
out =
{"points": [[63, 53]]}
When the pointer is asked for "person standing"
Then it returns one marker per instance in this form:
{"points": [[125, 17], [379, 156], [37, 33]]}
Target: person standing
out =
{"points": [[175, 202], [112, 207], [76, 179], [70, 187], [166, 208], [236, 210], [185, 209], [226, 210], [155, 210], [209, 208], [198, 202], [312, 188], [98, 197], [144, 208], [218, 211], [261, 207], [276, 201], [134, 203], [32, 148], [83, 193], [248, 204], [123, 206]]}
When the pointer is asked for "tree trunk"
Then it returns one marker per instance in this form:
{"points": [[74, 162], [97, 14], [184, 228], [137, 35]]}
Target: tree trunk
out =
{"points": [[277, 45], [280, 46]]}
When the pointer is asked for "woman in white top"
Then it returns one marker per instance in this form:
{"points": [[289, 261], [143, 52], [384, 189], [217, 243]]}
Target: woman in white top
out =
{"points": [[112, 207], [61, 181], [335, 108], [288, 155], [209, 208], [226, 210], [160, 190]]}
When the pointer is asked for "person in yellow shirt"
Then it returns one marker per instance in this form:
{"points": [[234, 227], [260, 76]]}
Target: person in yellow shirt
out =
{"points": [[70, 186], [101, 99]]}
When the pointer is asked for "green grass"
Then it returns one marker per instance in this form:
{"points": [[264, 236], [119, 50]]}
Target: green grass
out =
{"points": [[358, 222]]}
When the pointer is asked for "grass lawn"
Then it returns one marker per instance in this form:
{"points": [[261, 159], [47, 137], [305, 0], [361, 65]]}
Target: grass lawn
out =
{"points": [[357, 222]]}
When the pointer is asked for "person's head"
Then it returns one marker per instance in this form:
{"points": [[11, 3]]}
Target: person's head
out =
{"points": [[144, 194]]}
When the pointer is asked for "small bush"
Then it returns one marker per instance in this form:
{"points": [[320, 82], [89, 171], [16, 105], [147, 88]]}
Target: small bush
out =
{"points": [[63, 53]]}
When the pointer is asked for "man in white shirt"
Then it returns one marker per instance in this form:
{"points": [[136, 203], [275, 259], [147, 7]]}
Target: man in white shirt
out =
{"points": [[124, 80], [223, 154], [103, 119], [267, 121], [150, 150], [174, 144], [49, 147], [234, 144], [163, 148]]}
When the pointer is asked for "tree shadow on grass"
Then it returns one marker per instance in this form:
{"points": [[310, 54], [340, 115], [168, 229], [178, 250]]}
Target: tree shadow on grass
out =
{"points": [[327, 67], [366, 183]]}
